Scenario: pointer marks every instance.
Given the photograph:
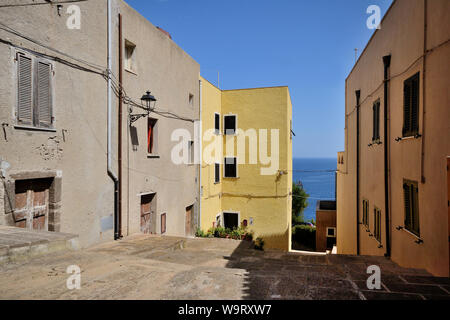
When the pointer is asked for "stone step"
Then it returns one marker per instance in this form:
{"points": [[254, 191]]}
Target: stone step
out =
{"points": [[17, 244]]}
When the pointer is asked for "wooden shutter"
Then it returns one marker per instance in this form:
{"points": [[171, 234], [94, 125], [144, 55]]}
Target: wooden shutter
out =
{"points": [[406, 108], [415, 104], [374, 131], [378, 121], [44, 94], [24, 90]]}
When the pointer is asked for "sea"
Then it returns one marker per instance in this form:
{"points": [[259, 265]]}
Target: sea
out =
{"points": [[319, 181]]}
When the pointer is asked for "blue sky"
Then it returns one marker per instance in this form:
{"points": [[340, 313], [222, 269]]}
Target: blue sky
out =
{"points": [[306, 45]]}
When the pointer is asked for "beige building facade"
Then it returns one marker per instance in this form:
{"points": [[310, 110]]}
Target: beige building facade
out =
{"points": [[63, 166], [392, 180]]}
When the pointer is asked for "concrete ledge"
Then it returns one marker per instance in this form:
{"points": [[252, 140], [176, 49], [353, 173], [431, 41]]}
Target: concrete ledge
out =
{"points": [[18, 244]]}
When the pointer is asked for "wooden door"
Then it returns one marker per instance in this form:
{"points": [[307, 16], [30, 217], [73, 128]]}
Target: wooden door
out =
{"points": [[147, 213], [189, 221], [32, 204]]}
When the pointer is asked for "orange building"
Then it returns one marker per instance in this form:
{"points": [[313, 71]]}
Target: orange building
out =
{"points": [[392, 180]]}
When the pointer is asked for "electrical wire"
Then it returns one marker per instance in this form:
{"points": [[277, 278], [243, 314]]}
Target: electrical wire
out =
{"points": [[40, 3], [398, 75]]}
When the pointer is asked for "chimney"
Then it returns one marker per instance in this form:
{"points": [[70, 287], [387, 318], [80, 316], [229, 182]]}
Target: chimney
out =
{"points": [[165, 32]]}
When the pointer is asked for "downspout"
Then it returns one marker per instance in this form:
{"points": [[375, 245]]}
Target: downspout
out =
{"points": [[120, 126], [425, 29], [201, 156], [111, 174], [358, 96], [387, 64]]}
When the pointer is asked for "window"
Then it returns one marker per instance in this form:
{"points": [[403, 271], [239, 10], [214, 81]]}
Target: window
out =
{"points": [[377, 224], [230, 124], [331, 232], [191, 99], [366, 213], [191, 151], [130, 56], [230, 168], [163, 223], [411, 196], [231, 220], [411, 106], [217, 123], [34, 92], [152, 131], [376, 121], [217, 173]]}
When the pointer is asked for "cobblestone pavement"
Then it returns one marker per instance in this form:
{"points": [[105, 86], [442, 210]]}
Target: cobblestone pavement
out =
{"points": [[146, 267]]}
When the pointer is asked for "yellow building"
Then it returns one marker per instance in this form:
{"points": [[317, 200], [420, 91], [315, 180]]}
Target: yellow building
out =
{"points": [[246, 175]]}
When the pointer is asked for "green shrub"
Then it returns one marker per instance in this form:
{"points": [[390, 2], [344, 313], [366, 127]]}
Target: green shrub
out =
{"points": [[259, 244], [304, 235]]}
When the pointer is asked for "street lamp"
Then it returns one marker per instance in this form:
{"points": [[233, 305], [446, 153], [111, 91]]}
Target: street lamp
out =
{"points": [[150, 101]]}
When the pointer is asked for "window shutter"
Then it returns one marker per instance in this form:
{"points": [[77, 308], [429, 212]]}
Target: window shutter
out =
{"points": [[407, 197], [378, 121], [24, 90], [415, 104], [415, 220], [374, 133], [407, 108], [44, 95]]}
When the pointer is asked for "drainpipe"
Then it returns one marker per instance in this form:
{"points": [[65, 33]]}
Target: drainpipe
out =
{"points": [[201, 157], [111, 174], [387, 64], [120, 126], [425, 29], [358, 96]]}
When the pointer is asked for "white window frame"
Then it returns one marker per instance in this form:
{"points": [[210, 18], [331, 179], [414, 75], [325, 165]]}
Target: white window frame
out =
{"points": [[224, 168], [130, 63], [232, 212], [236, 124], [334, 232], [15, 107]]}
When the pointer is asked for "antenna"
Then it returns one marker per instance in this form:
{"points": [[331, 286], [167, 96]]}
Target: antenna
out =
{"points": [[356, 55], [218, 79]]}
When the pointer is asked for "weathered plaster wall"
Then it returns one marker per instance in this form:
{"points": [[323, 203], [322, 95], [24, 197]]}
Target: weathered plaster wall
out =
{"points": [[171, 75], [77, 146]]}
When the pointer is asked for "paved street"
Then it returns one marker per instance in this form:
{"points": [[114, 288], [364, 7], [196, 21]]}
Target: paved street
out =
{"points": [[145, 267]]}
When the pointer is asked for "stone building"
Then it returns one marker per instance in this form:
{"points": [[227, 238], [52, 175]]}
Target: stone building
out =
{"points": [[75, 155]]}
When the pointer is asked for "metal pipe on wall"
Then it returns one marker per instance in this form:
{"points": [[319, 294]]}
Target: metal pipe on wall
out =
{"points": [[120, 126], [358, 97], [387, 64], [111, 173]]}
